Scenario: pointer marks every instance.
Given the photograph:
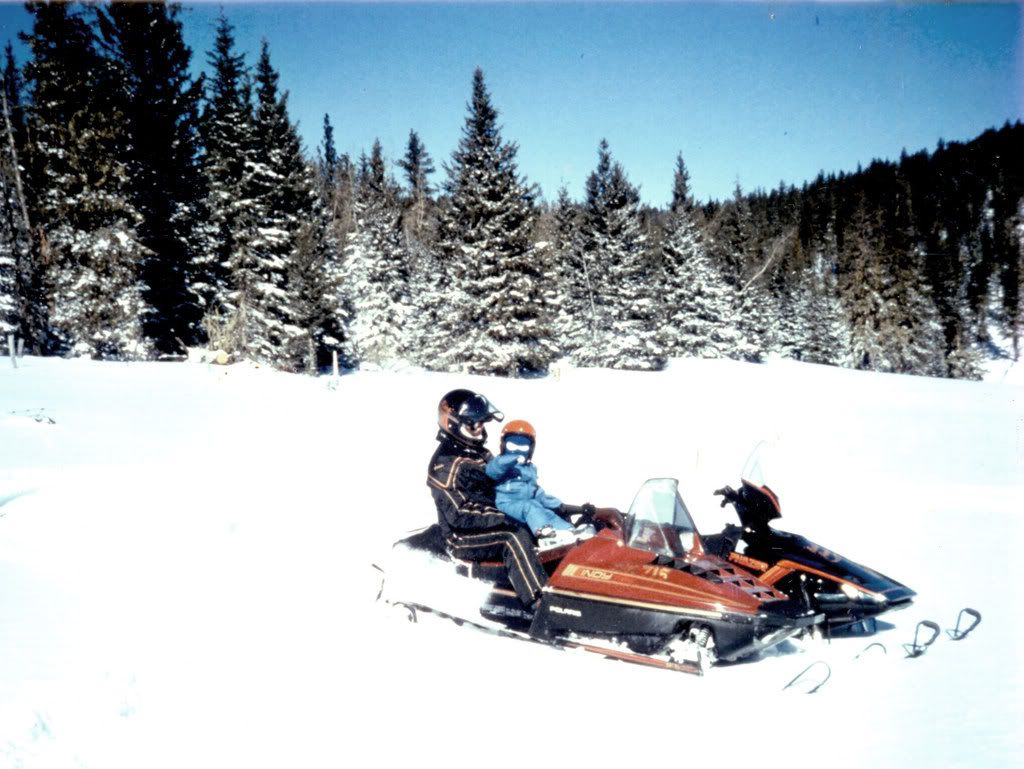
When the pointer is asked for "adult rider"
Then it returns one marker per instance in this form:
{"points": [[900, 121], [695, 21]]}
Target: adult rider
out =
{"points": [[464, 494]]}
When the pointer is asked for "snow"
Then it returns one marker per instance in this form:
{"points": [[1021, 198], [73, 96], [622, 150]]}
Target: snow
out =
{"points": [[185, 572]]}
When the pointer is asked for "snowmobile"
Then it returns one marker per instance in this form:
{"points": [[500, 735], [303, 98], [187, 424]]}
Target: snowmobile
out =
{"points": [[846, 593], [642, 589]]}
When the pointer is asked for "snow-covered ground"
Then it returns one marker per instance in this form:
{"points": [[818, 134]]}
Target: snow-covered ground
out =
{"points": [[185, 571]]}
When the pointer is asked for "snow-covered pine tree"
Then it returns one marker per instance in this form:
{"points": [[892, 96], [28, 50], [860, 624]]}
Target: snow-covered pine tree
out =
{"points": [[159, 103], [497, 318], [862, 286], [429, 302], [700, 304], [328, 158], [227, 133], [280, 196], [376, 269], [576, 304], [826, 336], [10, 321], [1014, 286], [732, 238], [82, 200], [15, 254], [748, 269], [909, 328], [629, 327], [316, 309], [418, 166]]}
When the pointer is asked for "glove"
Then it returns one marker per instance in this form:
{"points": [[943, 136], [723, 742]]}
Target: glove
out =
{"points": [[728, 494]]}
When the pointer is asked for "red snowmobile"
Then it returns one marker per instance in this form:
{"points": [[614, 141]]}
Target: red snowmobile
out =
{"points": [[642, 589]]}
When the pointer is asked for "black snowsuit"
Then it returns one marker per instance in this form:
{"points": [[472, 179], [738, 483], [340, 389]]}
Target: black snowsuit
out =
{"points": [[473, 527]]}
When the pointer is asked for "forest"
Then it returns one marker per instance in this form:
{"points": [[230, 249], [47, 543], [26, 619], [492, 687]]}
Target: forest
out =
{"points": [[146, 211]]}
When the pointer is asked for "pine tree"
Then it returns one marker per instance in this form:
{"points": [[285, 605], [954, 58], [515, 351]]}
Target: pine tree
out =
{"points": [[732, 238], [227, 133], [279, 196], [699, 302], [909, 328], [83, 203], [576, 302], [734, 249], [15, 247], [376, 271], [629, 327], [10, 320], [329, 158], [499, 318], [826, 337], [159, 103], [315, 308], [418, 166], [862, 287]]}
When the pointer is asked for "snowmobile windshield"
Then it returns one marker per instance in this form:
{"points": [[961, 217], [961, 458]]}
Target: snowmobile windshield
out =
{"points": [[659, 522], [754, 471]]}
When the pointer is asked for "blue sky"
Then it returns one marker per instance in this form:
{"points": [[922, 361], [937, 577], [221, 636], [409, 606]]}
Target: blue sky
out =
{"points": [[758, 92]]}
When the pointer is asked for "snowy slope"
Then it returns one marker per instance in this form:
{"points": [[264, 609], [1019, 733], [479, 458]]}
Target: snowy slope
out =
{"points": [[185, 580]]}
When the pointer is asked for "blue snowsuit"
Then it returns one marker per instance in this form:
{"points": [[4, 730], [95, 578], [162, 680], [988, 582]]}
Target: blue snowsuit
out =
{"points": [[518, 496]]}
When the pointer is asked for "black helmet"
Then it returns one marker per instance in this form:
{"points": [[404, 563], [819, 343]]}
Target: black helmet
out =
{"points": [[462, 414]]}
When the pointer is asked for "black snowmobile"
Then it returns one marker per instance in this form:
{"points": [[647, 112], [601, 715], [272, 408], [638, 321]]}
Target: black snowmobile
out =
{"points": [[845, 592]]}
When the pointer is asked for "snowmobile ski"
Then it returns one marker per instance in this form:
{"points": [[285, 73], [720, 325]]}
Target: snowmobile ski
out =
{"points": [[919, 646], [865, 652], [958, 633], [805, 676]]}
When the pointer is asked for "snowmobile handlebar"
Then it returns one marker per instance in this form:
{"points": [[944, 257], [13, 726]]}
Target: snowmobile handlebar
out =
{"points": [[728, 494], [599, 517]]}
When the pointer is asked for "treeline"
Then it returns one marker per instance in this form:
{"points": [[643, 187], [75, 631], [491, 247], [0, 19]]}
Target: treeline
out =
{"points": [[144, 212]]}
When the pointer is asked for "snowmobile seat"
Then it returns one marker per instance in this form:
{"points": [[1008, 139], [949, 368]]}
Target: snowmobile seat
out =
{"points": [[489, 571]]}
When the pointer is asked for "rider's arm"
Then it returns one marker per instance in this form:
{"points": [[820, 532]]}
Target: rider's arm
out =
{"points": [[499, 465], [472, 496]]}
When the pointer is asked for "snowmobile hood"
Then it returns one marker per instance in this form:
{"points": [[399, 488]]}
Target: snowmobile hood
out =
{"points": [[604, 567], [846, 579]]}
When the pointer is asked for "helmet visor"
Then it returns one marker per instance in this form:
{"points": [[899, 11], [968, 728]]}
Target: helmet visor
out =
{"points": [[478, 410]]}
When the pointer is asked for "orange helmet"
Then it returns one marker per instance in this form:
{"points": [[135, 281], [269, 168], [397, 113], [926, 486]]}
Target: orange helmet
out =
{"points": [[521, 435]]}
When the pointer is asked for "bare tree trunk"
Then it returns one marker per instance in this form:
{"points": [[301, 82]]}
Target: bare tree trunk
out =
{"points": [[14, 162]]}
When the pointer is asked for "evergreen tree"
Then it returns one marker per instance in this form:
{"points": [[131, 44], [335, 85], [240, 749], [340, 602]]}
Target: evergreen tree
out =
{"points": [[576, 301], [15, 245], [699, 302], [329, 159], [499, 319], [315, 308], [629, 330], [376, 271], [227, 132], [909, 328], [89, 243], [280, 197], [732, 238], [862, 288], [745, 267], [10, 319], [159, 105], [418, 166], [1014, 289], [826, 337]]}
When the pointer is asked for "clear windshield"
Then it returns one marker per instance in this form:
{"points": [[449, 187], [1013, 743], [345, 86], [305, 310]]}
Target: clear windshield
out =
{"points": [[659, 521], [754, 469]]}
